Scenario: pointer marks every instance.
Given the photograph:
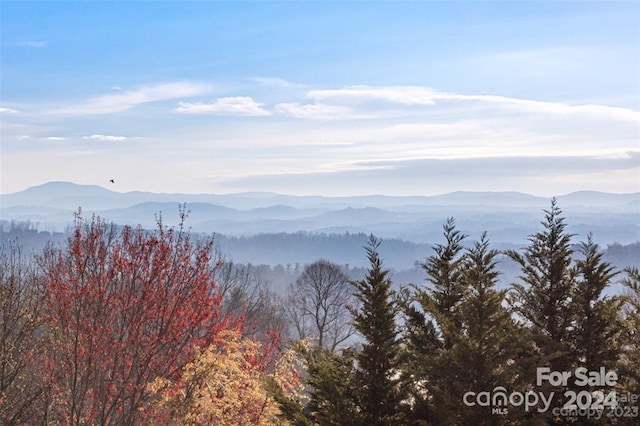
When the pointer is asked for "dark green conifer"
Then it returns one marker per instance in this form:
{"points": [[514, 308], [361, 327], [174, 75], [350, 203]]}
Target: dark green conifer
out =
{"points": [[376, 377], [487, 344], [543, 297], [630, 363], [333, 395], [443, 273], [459, 336], [433, 324], [597, 329]]}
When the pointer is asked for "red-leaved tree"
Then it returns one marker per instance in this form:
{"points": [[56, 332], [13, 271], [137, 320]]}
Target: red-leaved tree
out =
{"points": [[125, 306]]}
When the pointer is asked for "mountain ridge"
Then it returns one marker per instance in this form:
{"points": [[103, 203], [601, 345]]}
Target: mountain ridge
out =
{"points": [[507, 216], [58, 192]]}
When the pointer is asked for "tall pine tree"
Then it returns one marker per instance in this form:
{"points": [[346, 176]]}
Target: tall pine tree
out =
{"points": [[543, 297], [433, 323], [443, 273], [488, 341], [630, 363], [597, 328], [543, 301], [460, 337], [379, 399]]}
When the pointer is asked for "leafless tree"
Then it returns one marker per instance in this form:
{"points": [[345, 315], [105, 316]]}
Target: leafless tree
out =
{"points": [[246, 293], [318, 305], [21, 303]]}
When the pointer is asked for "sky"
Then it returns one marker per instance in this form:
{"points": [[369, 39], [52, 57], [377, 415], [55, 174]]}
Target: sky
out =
{"points": [[321, 98]]}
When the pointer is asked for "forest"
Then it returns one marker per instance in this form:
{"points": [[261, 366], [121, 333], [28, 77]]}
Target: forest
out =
{"points": [[125, 325]]}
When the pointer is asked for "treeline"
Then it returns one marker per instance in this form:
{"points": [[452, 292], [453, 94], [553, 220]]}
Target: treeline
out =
{"points": [[127, 326], [306, 247], [279, 258]]}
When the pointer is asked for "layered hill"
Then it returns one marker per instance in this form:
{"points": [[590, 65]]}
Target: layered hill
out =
{"points": [[509, 217]]}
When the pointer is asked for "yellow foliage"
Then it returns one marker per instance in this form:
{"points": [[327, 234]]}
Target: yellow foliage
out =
{"points": [[224, 385]]}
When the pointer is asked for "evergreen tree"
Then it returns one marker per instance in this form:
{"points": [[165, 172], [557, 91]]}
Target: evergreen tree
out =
{"points": [[543, 298], [421, 344], [443, 273], [379, 399], [433, 322], [488, 342], [543, 301], [630, 363], [333, 395], [597, 329], [466, 345]]}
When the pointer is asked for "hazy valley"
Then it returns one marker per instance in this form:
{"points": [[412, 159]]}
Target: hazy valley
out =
{"points": [[283, 233], [508, 217]]}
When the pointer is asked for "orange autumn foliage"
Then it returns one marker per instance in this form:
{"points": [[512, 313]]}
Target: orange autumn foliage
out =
{"points": [[225, 385]]}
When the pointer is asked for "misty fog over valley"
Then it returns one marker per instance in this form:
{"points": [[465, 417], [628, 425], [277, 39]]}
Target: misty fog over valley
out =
{"points": [[282, 233]]}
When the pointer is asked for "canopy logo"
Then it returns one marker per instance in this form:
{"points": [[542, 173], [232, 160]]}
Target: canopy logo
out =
{"points": [[499, 400]]}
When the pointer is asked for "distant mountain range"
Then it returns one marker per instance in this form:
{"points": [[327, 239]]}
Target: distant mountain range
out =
{"points": [[509, 217]]}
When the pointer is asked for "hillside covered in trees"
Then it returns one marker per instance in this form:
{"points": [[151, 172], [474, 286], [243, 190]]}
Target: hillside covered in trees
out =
{"points": [[278, 258], [123, 325]]}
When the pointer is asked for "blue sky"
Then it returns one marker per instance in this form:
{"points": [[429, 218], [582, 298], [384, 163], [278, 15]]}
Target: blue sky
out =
{"points": [[329, 98]]}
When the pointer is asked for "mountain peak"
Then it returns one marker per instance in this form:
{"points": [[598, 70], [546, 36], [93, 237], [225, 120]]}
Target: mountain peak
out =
{"points": [[58, 187], [66, 195]]}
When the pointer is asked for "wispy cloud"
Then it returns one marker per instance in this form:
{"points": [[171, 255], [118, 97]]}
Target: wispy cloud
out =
{"points": [[32, 44], [8, 111], [314, 111], [236, 105], [548, 107], [105, 138], [56, 138], [385, 137], [476, 174], [424, 96], [275, 82], [126, 99], [408, 95]]}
